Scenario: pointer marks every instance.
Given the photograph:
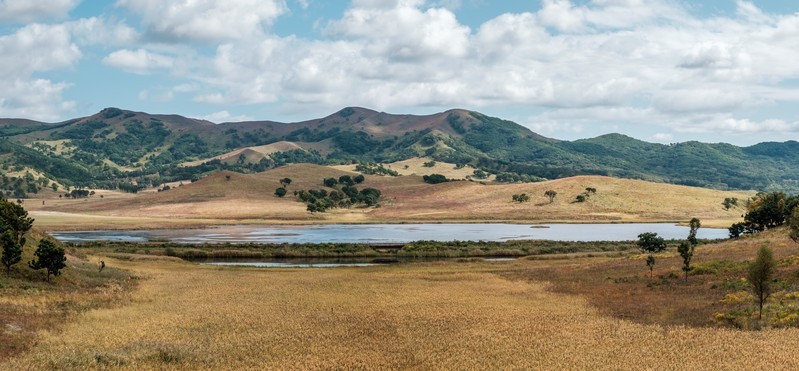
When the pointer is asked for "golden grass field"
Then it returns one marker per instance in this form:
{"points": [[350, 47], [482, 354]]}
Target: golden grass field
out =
{"points": [[249, 199], [453, 315]]}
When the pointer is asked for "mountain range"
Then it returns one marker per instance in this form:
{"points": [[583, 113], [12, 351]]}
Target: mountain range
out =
{"points": [[121, 149]]}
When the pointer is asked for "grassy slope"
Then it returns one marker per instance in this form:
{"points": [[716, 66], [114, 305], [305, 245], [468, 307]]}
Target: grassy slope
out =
{"points": [[29, 304], [249, 198], [425, 316]]}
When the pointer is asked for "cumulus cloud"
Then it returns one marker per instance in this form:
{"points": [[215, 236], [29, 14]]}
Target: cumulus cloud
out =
{"points": [[205, 20], [38, 48], [138, 61], [22, 11]]}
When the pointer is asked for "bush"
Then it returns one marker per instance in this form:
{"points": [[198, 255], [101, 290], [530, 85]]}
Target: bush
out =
{"points": [[435, 179]]}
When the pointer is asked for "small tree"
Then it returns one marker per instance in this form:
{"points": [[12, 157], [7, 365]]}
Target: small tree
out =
{"points": [[651, 243], [580, 198], [686, 248], [590, 190], [330, 182], [694, 224], [285, 182], [551, 194], [760, 275], [280, 192], [49, 257], [523, 197], [358, 179]]}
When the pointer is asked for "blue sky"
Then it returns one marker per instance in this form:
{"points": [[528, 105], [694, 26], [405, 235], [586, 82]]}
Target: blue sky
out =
{"points": [[658, 70]]}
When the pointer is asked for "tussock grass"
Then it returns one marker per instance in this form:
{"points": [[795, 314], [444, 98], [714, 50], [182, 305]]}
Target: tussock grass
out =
{"points": [[428, 316]]}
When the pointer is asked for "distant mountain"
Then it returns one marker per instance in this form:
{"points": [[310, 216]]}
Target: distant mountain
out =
{"points": [[123, 149]]}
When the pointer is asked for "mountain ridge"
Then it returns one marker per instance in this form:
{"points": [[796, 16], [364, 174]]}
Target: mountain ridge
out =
{"points": [[122, 148]]}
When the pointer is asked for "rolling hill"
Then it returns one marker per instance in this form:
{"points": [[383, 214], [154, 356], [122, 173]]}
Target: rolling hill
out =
{"points": [[233, 198], [119, 149]]}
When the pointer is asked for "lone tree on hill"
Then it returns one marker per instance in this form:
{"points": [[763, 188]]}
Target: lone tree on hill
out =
{"points": [[759, 276], [285, 182], [280, 192], [551, 194], [49, 257], [686, 248], [651, 243]]}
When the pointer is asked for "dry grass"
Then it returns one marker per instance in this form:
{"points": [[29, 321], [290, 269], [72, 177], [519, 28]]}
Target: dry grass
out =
{"points": [[249, 198], [415, 166], [431, 316], [29, 306]]}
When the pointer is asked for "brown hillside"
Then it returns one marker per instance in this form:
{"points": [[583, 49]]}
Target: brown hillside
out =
{"points": [[249, 198]]}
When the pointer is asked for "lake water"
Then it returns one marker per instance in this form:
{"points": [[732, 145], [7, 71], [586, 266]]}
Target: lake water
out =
{"points": [[393, 233]]}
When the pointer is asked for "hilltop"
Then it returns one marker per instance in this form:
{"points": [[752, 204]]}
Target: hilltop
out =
{"points": [[130, 151], [234, 198]]}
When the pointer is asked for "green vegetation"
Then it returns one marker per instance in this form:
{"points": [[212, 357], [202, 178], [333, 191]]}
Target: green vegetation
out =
{"points": [[375, 169], [520, 198], [344, 196], [765, 211], [14, 224], [50, 257], [435, 179]]}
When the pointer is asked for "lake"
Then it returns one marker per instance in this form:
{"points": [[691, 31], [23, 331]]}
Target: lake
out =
{"points": [[392, 233]]}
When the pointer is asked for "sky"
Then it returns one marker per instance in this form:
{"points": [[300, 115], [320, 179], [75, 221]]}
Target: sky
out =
{"points": [[658, 70]]}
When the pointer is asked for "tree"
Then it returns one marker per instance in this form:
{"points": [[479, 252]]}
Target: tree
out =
{"points": [[434, 178], [760, 275], [686, 248], [346, 179], [590, 190], [12, 250], [793, 225], [695, 224], [580, 198], [330, 182], [729, 202], [651, 243], [49, 256], [14, 223], [280, 192], [551, 194], [523, 197], [358, 179], [285, 182]]}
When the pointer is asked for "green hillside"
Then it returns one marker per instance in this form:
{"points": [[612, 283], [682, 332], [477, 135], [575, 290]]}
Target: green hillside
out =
{"points": [[119, 149]]}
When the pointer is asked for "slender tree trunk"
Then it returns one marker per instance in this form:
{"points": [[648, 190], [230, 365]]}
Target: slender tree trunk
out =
{"points": [[760, 314], [650, 272], [686, 276]]}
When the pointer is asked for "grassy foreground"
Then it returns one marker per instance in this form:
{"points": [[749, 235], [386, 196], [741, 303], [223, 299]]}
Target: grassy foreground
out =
{"points": [[468, 315]]}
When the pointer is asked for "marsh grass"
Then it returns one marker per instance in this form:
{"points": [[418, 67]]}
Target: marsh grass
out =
{"points": [[423, 316]]}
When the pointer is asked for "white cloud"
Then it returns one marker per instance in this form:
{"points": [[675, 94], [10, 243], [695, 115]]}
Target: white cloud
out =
{"points": [[37, 99], [205, 20], [138, 61], [225, 116], [663, 137], [23, 11], [589, 63], [402, 31]]}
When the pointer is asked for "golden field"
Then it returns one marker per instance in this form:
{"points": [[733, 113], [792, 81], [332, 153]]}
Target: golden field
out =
{"points": [[249, 199], [453, 315]]}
